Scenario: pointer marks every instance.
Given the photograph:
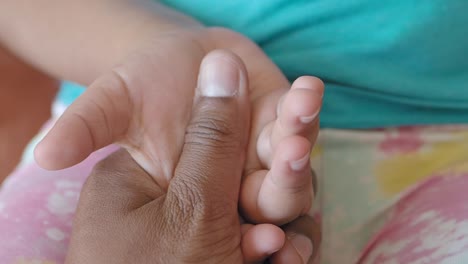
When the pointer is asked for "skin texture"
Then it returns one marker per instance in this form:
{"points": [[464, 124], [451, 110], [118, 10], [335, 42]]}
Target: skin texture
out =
{"points": [[25, 103], [195, 219], [127, 106], [140, 61]]}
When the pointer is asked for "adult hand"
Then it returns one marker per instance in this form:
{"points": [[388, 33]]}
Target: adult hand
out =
{"points": [[124, 216]]}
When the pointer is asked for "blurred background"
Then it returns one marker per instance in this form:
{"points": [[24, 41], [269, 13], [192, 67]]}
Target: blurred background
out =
{"points": [[17, 103]]}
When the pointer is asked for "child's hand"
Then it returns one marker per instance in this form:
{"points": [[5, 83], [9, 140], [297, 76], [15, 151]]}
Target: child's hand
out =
{"points": [[144, 104]]}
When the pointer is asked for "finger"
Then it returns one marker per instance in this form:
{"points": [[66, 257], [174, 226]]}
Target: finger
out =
{"points": [[297, 114], [260, 241], [210, 166], [288, 255], [285, 192], [302, 244], [96, 119]]}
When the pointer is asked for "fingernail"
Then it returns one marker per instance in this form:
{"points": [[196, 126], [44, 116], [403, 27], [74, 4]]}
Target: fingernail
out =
{"points": [[304, 247], [219, 77], [299, 165], [308, 119]]}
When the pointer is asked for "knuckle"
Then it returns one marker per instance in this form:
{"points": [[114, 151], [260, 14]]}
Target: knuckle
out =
{"points": [[188, 203], [212, 130]]}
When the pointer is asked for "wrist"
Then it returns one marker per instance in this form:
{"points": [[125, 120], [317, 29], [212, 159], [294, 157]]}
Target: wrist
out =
{"points": [[153, 22]]}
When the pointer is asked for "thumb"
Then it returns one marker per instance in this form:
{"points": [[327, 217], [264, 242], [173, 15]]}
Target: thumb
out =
{"points": [[96, 119], [209, 170]]}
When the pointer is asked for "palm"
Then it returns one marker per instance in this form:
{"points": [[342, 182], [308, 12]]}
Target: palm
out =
{"points": [[160, 85], [158, 119]]}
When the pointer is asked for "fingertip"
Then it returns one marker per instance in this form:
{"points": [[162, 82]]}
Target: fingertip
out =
{"points": [[50, 158], [56, 153], [300, 107], [222, 74], [261, 241], [309, 82], [42, 156], [223, 89], [297, 113]]}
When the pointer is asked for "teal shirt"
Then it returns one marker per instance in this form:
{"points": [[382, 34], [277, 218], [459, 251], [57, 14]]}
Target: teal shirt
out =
{"points": [[384, 63]]}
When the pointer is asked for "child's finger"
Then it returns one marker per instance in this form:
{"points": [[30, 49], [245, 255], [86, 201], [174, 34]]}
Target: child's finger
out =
{"points": [[302, 244], [96, 119], [297, 114], [283, 193], [260, 241]]}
